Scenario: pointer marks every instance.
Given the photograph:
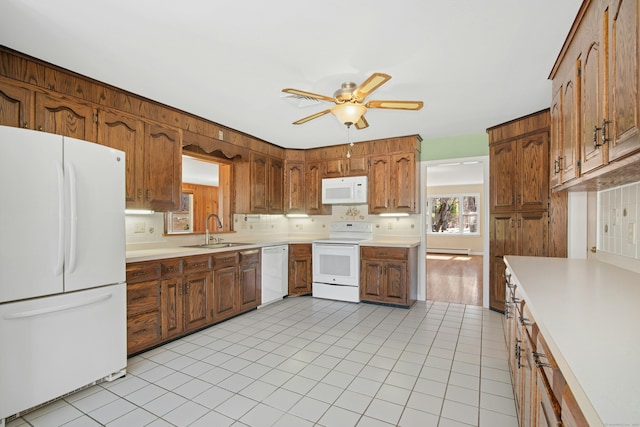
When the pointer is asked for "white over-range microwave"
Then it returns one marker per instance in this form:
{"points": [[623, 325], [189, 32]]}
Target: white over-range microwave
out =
{"points": [[347, 190]]}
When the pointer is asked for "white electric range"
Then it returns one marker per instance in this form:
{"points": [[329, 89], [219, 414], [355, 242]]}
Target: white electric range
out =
{"points": [[336, 261]]}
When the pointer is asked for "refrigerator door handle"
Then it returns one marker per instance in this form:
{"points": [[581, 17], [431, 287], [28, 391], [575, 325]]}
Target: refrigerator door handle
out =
{"points": [[60, 256], [73, 217], [68, 306]]}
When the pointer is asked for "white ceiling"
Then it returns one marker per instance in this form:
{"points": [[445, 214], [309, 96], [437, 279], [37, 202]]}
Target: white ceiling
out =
{"points": [[474, 63]]}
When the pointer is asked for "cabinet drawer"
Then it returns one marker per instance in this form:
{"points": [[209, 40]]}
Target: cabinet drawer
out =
{"points": [[299, 250], [142, 271], [251, 256], [143, 331], [224, 259], [196, 263], [143, 296], [385, 253], [171, 267], [547, 364]]}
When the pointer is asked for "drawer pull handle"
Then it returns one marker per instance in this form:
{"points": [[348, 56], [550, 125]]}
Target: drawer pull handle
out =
{"points": [[139, 273], [140, 331], [136, 299]]}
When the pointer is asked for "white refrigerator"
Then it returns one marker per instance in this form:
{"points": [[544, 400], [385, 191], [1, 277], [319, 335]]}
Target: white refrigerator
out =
{"points": [[62, 267]]}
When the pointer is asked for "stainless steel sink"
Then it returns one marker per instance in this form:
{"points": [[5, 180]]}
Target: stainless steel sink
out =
{"points": [[218, 245]]}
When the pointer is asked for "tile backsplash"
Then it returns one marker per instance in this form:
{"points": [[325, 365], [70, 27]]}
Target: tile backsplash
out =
{"points": [[618, 220], [150, 228]]}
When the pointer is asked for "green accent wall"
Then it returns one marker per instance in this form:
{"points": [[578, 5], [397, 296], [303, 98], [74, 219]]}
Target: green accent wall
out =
{"points": [[472, 145]]}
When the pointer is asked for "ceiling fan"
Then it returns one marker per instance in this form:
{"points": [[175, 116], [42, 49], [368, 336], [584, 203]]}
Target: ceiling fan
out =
{"points": [[349, 100]]}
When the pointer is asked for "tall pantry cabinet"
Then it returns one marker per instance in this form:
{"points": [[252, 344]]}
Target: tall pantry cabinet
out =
{"points": [[519, 198]]}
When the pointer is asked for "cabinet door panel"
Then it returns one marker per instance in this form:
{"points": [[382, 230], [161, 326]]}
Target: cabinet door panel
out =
{"points": [[396, 289], [593, 155], [379, 193], [163, 167], [533, 236], [172, 305], [570, 145], [623, 69], [403, 183], [224, 294], [125, 134], [300, 275], [65, 117], [502, 180], [294, 184], [533, 177], [313, 189], [259, 182], [196, 307], [555, 146], [358, 166], [249, 286], [276, 185], [16, 105], [372, 280], [503, 242]]}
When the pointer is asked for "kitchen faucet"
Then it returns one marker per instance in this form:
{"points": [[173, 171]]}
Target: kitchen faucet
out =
{"points": [[207, 235]]}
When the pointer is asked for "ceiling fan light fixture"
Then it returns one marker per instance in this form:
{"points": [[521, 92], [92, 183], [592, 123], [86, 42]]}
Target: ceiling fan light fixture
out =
{"points": [[348, 113]]}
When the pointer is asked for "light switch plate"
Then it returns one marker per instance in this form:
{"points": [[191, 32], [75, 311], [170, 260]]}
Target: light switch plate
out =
{"points": [[138, 227], [631, 234]]}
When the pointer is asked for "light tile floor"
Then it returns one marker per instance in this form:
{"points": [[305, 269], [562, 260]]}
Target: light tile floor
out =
{"points": [[311, 362]]}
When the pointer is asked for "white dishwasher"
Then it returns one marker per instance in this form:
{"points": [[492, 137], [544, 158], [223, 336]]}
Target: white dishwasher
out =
{"points": [[275, 273]]}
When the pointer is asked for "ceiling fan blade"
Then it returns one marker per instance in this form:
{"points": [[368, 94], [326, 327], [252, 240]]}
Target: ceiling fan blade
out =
{"points": [[309, 94], [311, 117], [396, 105], [362, 123], [372, 83]]}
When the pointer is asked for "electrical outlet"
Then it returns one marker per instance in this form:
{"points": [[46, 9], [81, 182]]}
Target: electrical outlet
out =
{"points": [[614, 216], [631, 234], [389, 226], [139, 227]]}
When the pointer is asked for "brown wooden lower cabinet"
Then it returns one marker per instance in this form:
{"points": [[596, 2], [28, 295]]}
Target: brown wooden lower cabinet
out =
{"points": [[541, 393], [173, 297], [300, 272], [143, 305], [388, 275]]}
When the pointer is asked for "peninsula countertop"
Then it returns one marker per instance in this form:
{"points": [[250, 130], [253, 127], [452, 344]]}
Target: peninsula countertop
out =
{"points": [[587, 311]]}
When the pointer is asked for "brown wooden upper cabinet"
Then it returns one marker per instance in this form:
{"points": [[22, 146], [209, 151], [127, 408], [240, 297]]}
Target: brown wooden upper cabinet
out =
{"points": [[294, 187], [518, 174], [259, 185], [153, 156], [392, 184], [314, 172], [353, 166], [596, 99]]}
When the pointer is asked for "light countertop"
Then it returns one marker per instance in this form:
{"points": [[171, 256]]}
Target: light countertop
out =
{"points": [[587, 311], [151, 252]]}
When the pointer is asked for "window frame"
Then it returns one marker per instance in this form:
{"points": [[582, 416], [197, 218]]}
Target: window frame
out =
{"points": [[461, 214]]}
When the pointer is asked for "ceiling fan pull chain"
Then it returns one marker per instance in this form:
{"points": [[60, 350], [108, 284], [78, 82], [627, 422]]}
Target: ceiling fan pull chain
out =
{"points": [[350, 144]]}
